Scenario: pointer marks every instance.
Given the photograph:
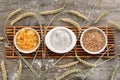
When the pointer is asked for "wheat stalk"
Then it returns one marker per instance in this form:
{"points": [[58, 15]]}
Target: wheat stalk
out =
{"points": [[114, 24], [19, 71], [67, 73], [4, 72], [101, 16], [21, 17], [76, 13], [59, 59]]}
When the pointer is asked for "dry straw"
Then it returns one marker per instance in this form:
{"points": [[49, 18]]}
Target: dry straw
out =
{"points": [[68, 64], [22, 16], [78, 14], [67, 73], [4, 72], [19, 71]]}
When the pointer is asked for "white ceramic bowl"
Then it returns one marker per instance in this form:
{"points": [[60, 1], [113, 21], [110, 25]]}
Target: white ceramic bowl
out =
{"points": [[49, 34], [26, 51], [94, 28]]}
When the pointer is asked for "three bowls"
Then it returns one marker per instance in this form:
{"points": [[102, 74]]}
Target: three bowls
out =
{"points": [[61, 40]]}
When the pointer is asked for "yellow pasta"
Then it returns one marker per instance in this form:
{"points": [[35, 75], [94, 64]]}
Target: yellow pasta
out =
{"points": [[27, 39]]}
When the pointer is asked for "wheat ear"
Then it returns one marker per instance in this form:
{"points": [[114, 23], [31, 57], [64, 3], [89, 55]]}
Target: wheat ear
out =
{"points": [[50, 12], [70, 21], [76, 13], [67, 73], [22, 16], [19, 71], [84, 62], [14, 13], [68, 64], [114, 71], [4, 72]]}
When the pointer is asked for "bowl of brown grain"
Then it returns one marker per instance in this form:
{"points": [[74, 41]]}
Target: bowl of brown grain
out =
{"points": [[93, 40]]}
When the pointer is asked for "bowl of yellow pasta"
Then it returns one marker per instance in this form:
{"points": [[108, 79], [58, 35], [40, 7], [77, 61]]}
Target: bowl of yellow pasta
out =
{"points": [[27, 40]]}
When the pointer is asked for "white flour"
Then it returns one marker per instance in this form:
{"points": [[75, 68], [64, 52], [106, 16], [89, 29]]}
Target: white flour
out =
{"points": [[61, 39]]}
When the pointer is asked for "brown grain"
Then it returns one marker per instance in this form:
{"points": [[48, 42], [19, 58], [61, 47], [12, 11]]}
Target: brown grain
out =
{"points": [[93, 40]]}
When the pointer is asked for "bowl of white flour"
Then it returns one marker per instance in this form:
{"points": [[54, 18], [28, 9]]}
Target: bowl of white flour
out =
{"points": [[60, 40]]}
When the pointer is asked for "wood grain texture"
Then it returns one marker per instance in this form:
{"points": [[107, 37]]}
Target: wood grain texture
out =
{"points": [[109, 31]]}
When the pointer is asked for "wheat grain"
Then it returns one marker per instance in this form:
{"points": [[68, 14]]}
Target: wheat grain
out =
{"points": [[101, 16], [114, 24], [68, 64], [4, 72], [1, 38], [76, 13], [67, 73], [14, 13], [19, 71], [22, 16]]}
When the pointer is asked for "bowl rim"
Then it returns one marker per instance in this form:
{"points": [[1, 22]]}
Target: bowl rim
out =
{"points": [[48, 44], [25, 51], [94, 28]]}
